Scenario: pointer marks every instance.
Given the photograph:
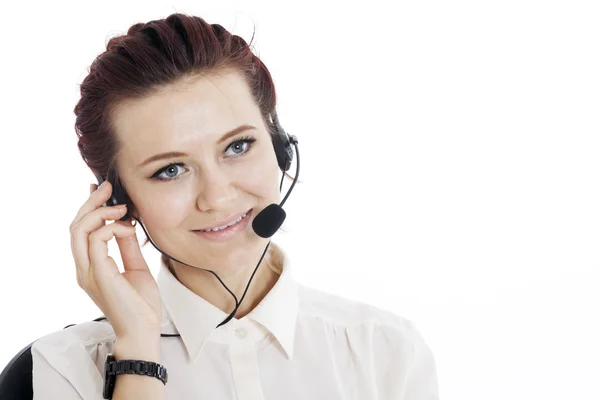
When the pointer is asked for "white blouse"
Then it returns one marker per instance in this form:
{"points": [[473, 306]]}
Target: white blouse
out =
{"points": [[298, 343]]}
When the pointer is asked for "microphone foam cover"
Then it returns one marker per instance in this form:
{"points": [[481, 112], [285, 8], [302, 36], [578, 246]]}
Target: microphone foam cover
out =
{"points": [[268, 221]]}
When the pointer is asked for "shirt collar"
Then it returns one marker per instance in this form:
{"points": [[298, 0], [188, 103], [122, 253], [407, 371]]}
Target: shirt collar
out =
{"points": [[195, 319]]}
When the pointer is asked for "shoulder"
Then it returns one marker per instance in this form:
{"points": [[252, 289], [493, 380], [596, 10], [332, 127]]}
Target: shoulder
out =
{"points": [[341, 311], [69, 363], [78, 343], [391, 343]]}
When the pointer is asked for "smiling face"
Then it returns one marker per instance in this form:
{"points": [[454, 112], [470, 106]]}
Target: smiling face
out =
{"points": [[226, 166]]}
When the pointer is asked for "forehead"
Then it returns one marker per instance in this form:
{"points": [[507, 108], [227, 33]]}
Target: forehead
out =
{"points": [[191, 111]]}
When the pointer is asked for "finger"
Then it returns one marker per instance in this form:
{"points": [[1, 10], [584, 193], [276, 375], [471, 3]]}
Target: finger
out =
{"points": [[96, 200], [102, 267], [81, 231], [131, 253]]}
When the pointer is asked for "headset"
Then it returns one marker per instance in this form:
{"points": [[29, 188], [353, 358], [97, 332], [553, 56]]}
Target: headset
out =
{"points": [[265, 223]]}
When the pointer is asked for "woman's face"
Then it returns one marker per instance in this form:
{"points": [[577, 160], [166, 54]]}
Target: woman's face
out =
{"points": [[215, 176]]}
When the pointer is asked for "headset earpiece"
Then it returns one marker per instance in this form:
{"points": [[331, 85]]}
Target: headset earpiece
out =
{"points": [[118, 196], [282, 145]]}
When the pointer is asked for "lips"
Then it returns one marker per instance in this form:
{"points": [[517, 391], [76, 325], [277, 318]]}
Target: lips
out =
{"points": [[227, 234], [225, 221]]}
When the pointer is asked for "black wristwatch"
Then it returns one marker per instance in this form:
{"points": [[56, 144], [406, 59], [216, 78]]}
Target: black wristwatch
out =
{"points": [[112, 368]]}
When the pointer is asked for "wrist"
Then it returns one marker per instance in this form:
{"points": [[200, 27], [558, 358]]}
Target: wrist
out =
{"points": [[146, 349]]}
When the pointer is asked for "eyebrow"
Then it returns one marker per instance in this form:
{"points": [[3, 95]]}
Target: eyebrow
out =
{"points": [[174, 154]]}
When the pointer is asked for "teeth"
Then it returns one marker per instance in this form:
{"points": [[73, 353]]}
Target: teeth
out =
{"points": [[219, 228]]}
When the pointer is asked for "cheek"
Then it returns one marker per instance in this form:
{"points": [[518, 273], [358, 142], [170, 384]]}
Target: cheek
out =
{"points": [[165, 210], [262, 180]]}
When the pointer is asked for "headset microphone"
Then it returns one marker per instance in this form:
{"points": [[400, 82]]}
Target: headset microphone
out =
{"points": [[268, 221]]}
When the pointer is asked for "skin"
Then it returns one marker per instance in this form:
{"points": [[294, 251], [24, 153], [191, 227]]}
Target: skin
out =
{"points": [[215, 182]]}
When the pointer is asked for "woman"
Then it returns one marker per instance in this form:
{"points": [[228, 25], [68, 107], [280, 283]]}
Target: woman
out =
{"points": [[181, 114]]}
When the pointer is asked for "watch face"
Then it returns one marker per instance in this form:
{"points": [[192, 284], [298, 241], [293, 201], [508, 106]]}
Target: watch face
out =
{"points": [[109, 380]]}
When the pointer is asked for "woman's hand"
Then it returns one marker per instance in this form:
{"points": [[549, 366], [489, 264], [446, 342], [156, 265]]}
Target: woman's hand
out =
{"points": [[130, 300]]}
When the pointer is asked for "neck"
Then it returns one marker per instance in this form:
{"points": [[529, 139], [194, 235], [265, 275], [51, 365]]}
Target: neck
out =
{"points": [[207, 286]]}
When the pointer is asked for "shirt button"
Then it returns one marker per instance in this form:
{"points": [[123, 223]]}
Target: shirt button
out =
{"points": [[241, 333]]}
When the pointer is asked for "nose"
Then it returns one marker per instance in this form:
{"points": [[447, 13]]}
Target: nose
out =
{"points": [[216, 190]]}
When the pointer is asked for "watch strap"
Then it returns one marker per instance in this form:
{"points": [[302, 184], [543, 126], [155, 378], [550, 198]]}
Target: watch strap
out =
{"points": [[113, 367]]}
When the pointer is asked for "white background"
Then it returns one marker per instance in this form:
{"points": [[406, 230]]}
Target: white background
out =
{"points": [[449, 163]]}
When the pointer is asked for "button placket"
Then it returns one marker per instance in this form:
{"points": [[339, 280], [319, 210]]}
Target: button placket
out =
{"points": [[244, 363]]}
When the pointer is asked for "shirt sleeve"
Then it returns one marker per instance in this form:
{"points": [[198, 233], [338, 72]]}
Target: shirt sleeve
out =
{"points": [[63, 370], [421, 381]]}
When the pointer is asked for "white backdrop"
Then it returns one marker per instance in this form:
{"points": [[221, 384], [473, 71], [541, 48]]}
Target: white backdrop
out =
{"points": [[449, 163]]}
